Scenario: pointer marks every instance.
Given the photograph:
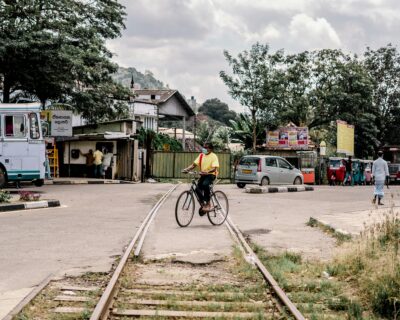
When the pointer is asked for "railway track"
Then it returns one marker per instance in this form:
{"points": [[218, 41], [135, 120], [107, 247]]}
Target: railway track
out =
{"points": [[214, 292]]}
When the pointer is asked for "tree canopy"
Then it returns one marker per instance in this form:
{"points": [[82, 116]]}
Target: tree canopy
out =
{"points": [[315, 89], [217, 110], [55, 49]]}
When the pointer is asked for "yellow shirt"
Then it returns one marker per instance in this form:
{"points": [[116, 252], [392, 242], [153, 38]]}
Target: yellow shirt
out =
{"points": [[208, 162], [97, 156]]}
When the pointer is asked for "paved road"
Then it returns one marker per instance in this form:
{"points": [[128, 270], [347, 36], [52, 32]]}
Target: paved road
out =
{"points": [[99, 220], [94, 225]]}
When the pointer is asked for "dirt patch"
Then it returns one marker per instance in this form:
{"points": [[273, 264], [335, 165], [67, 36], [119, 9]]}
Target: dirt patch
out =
{"points": [[176, 274]]}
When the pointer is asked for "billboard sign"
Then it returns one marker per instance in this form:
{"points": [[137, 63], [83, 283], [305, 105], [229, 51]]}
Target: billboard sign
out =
{"points": [[295, 138], [58, 123], [345, 138]]}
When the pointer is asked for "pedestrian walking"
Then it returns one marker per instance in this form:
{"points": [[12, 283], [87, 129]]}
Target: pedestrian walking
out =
{"points": [[349, 172], [380, 172]]}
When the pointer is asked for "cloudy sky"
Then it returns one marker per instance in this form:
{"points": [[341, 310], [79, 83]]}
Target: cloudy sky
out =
{"points": [[182, 41]]}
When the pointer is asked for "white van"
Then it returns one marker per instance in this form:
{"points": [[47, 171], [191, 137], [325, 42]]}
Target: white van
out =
{"points": [[22, 147]]}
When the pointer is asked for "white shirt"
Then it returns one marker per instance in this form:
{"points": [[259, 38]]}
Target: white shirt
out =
{"points": [[380, 170], [107, 159]]}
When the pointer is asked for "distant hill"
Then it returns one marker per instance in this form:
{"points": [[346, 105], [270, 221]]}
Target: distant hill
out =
{"points": [[146, 80]]}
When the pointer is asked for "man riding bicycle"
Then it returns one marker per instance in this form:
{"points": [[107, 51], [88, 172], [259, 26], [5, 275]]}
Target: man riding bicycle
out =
{"points": [[208, 166]]}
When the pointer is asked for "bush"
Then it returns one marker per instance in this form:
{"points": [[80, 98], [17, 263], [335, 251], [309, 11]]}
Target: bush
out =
{"points": [[373, 264], [28, 196], [4, 196]]}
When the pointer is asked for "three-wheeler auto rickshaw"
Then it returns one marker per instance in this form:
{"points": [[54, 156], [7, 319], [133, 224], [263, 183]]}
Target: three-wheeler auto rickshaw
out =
{"points": [[336, 169]]}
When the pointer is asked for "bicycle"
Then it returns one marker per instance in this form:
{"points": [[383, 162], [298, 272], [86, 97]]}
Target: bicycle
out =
{"points": [[185, 205]]}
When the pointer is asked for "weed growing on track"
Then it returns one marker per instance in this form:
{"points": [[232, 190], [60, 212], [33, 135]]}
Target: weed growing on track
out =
{"points": [[305, 284]]}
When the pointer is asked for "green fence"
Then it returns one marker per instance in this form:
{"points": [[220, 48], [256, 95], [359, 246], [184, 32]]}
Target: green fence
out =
{"points": [[170, 164]]}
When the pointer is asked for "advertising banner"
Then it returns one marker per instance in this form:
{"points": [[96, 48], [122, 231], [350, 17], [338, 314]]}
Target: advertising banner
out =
{"points": [[288, 138], [57, 123], [345, 138]]}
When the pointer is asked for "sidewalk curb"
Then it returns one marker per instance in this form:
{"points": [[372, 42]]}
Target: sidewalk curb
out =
{"points": [[30, 205], [68, 182], [336, 232], [258, 189]]}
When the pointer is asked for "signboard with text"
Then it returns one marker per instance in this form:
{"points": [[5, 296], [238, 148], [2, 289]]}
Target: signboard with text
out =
{"points": [[58, 123], [295, 138]]}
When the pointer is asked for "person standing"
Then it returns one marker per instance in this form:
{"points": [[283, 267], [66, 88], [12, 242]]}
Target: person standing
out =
{"points": [[97, 162], [89, 162], [349, 172], [107, 159], [208, 165], [380, 172]]}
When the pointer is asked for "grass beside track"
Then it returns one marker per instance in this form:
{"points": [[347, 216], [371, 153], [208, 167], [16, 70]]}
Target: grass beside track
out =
{"points": [[361, 282]]}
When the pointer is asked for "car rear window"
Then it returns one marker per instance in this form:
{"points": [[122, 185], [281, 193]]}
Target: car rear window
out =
{"points": [[249, 161]]}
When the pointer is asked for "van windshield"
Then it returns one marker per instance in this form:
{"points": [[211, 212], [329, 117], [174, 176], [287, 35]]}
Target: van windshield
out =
{"points": [[249, 161]]}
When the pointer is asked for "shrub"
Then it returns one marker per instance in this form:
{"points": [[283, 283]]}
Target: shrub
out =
{"points": [[4, 196], [28, 196]]}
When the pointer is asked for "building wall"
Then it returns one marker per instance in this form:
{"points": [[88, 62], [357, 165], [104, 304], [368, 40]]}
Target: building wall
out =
{"points": [[173, 107]]}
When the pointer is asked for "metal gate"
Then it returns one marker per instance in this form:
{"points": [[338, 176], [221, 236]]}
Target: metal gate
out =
{"points": [[170, 164]]}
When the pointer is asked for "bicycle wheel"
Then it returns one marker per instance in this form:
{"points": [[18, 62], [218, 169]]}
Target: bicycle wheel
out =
{"points": [[218, 215], [184, 209]]}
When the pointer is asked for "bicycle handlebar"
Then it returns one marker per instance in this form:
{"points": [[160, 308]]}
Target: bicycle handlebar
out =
{"points": [[190, 172]]}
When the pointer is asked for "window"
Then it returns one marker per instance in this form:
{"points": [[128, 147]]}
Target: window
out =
{"points": [[271, 162], [249, 161], [15, 126], [284, 164], [34, 126]]}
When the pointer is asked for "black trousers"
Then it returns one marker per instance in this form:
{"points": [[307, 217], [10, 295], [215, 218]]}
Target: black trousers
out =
{"points": [[203, 187]]}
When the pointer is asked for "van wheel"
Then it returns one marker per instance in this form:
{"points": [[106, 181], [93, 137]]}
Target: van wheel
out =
{"points": [[38, 182], [297, 180], [3, 178], [241, 185], [264, 181]]}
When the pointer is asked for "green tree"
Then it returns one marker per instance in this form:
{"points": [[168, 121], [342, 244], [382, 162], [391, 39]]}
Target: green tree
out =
{"points": [[56, 50], [242, 131], [254, 81], [217, 110], [383, 66]]}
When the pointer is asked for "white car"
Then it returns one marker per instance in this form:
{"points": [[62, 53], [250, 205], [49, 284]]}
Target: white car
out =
{"points": [[265, 170]]}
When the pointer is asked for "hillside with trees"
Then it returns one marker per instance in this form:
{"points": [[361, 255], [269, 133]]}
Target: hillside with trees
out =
{"points": [[147, 80]]}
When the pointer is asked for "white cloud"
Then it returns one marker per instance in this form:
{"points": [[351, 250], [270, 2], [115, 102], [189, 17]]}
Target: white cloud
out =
{"points": [[313, 33], [181, 41]]}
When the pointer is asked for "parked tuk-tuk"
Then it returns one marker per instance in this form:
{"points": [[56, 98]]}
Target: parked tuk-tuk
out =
{"points": [[336, 170]]}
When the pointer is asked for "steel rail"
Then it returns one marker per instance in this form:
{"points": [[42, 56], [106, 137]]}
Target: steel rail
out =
{"points": [[102, 308], [267, 276]]}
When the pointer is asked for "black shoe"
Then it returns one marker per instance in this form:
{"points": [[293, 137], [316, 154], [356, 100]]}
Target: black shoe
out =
{"points": [[380, 204], [201, 212]]}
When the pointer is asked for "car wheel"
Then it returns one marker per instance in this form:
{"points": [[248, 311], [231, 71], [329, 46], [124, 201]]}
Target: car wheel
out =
{"points": [[264, 181], [241, 185], [297, 180], [3, 178]]}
